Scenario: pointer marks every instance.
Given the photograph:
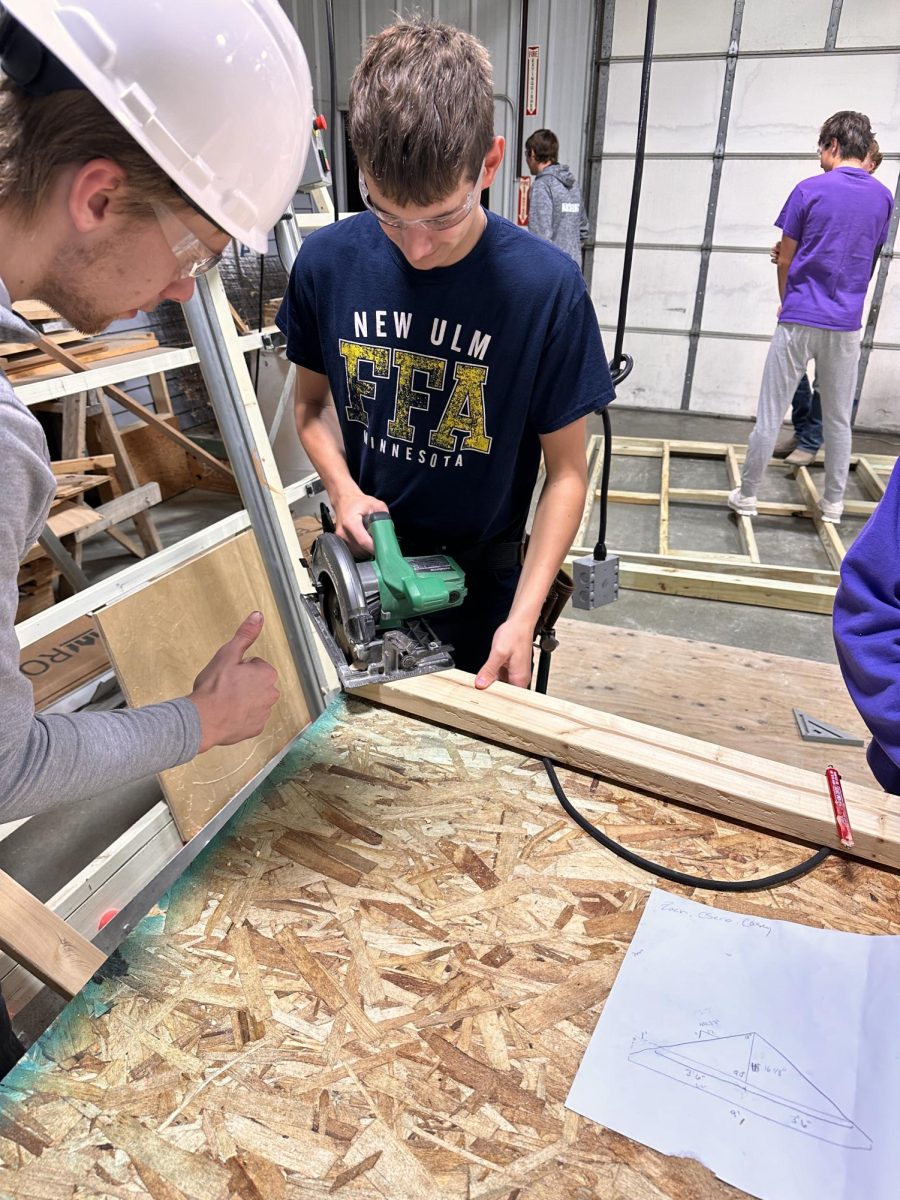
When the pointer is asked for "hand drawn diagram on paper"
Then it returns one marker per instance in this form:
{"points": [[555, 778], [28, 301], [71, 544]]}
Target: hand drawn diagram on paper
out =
{"points": [[748, 1071], [767, 1050]]}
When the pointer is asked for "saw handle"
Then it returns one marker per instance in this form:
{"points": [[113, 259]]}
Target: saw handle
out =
{"points": [[368, 518]]}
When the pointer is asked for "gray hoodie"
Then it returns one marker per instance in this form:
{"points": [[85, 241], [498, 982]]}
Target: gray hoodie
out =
{"points": [[46, 761], [556, 210]]}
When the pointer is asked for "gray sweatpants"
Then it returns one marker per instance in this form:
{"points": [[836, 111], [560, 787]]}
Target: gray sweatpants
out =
{"points": [[837, 357]]}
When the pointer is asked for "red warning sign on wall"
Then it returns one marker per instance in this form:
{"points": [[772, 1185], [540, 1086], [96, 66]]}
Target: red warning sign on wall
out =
{"points": [[522, 202], [532, 64]]}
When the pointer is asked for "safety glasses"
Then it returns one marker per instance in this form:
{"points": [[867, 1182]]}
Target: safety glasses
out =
{"points": [[433, 224], [194, 257]]}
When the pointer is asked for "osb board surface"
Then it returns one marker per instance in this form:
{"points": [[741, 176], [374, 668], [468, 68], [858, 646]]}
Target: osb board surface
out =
{"points": [[378, 983], [739, 698], [158, 639]]}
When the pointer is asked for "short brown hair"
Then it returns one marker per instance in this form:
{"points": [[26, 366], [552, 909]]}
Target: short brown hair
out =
{"points": [[544, 145], [874, 155], [38, 136], [851, 130], [421, 111]]}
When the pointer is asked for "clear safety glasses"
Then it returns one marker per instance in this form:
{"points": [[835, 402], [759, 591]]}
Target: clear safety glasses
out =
{"points": [[433, 224], [194, 257]]}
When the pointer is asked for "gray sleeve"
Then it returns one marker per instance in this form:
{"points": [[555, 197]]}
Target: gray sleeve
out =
{"points": [[47, 761], [540, 210]]}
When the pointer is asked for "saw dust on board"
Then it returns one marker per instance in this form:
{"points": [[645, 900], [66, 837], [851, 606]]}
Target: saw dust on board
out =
{"points": [[379, 982]]}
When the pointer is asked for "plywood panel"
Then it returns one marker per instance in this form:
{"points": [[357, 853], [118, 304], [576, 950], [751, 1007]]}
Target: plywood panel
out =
{"points": [[380, 984], [160, 637], [726, 694]]}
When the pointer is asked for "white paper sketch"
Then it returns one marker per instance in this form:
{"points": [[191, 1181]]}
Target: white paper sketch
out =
{"points": [[744, 1069], [767, 1050]]}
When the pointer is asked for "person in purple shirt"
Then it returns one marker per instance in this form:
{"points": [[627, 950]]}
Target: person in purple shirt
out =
{"points": [[833, 227], [867, 633]]}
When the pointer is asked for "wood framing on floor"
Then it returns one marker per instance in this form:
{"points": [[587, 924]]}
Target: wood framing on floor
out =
{"points": [[739, 578]]}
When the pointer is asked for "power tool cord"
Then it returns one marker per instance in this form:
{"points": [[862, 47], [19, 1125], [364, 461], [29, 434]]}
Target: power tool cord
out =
{"points": [[620, 369], [682, 877]]}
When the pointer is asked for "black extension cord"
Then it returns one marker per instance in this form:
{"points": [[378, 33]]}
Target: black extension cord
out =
{"points": [[691, 881]]}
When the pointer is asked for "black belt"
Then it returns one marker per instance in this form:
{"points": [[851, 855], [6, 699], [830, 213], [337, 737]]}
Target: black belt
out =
{"points": [[489, 556]]}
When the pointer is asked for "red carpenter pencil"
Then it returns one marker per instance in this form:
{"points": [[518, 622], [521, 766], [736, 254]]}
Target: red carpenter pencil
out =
{"points": [[841, 819]]}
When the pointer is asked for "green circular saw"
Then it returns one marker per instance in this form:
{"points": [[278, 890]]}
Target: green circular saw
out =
{"points": [[371, 615]]}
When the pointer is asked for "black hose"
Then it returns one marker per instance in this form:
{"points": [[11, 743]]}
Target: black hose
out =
{"points": [[335, 115]]}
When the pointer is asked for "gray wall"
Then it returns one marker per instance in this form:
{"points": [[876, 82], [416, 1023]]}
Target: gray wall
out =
{"points": [[562, 28], [795, 63]]}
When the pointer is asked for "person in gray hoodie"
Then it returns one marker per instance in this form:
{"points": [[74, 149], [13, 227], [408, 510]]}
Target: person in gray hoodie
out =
{"points": [[93, 224], [555, 207]]}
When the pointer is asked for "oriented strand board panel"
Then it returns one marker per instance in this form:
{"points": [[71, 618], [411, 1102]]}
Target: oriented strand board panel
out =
{"points": [[160, 637], [378, 983], [738, 786]]}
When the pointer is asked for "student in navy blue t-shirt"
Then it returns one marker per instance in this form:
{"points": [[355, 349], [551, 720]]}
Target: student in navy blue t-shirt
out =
{"points": [[440, 349]]}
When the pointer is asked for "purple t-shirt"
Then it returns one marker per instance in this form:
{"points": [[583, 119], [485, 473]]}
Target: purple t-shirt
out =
{"points": [[840, 220]]}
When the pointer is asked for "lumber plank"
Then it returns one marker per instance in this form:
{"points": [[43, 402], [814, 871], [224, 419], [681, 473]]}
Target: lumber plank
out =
{"points": [[74, 466], [69, 518], [732, 564], [627, 497], [69, 487], [706, 584], [45, 364], [870, 479], [718, 496], [778, 798], [127, 478], [62, 337], [664, 500], [828, 534], [129, 504], [35, 310], [43, 943], [744, 523]]}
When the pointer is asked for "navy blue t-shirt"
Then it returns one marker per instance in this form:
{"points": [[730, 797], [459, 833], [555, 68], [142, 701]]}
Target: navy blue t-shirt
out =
{"points": [[444, 379]]}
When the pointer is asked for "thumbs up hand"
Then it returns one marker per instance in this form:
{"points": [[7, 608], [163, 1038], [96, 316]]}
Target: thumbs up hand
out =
{"points": [[234, 695]]}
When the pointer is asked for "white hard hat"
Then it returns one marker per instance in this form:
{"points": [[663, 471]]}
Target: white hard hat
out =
{"points": [[217, 93]]}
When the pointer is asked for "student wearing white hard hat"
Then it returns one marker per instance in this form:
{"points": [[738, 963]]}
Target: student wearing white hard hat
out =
{"points": [[135, 140]]}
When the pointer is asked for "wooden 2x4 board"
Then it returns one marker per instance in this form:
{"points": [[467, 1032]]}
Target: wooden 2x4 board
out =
{"points": [[160, 637]]}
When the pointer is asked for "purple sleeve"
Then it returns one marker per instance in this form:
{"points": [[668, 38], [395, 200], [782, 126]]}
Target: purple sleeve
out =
{"points": [[790, 219], [867, 632]]}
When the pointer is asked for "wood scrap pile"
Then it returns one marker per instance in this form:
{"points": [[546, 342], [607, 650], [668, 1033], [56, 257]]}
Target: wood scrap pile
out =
{"points": [[73, 520], [23, 361]]}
